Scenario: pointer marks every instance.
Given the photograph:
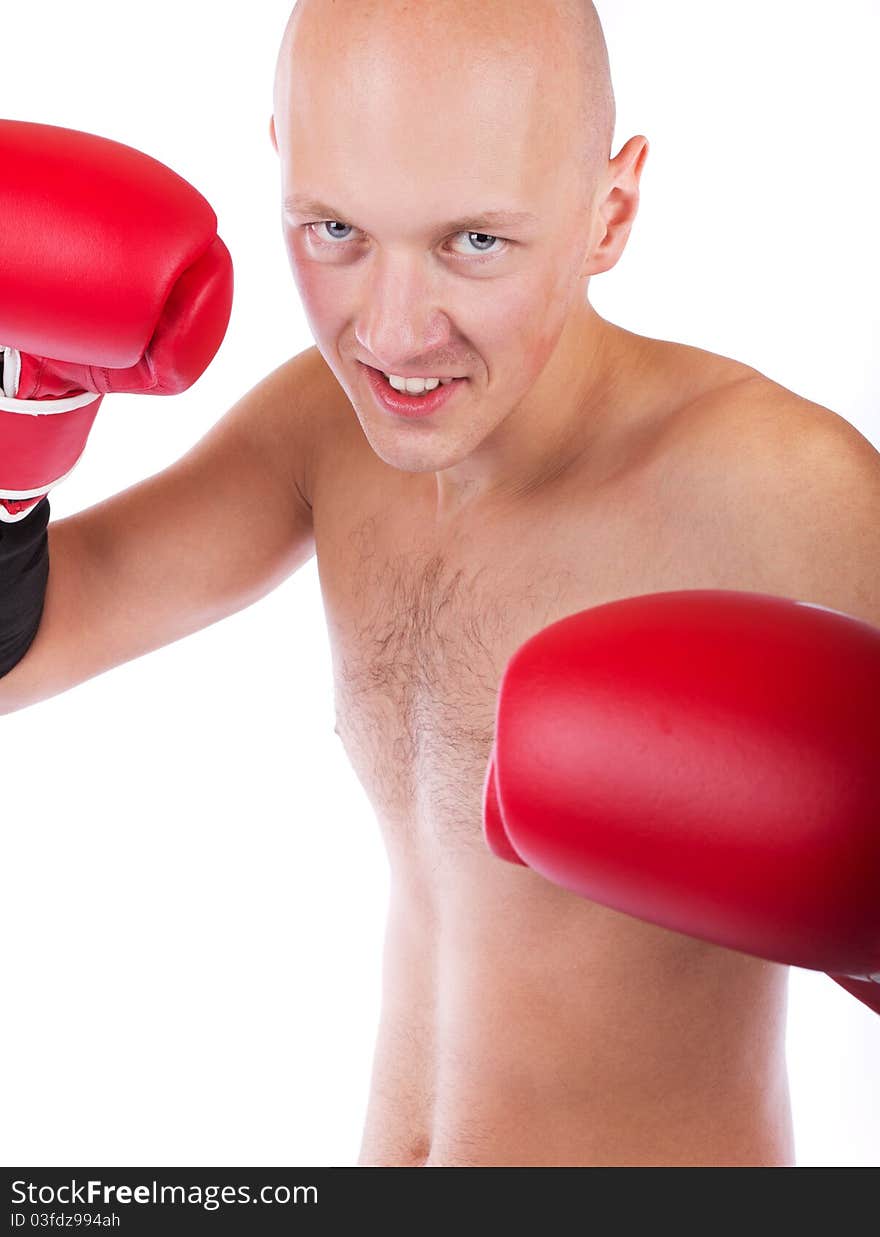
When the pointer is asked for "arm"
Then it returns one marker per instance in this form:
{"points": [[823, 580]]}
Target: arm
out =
{"points": [[207, 536], [112, 279]]}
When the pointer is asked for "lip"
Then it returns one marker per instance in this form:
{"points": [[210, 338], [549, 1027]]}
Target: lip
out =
{"points": [[413, 407]]}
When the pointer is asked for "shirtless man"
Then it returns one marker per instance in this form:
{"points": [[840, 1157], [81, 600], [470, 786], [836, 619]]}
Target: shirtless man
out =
{"points": [[575, 463]]}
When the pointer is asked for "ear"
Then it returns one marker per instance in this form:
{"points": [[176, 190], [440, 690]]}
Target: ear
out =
{"points": [[272, 133], [618, 207]]}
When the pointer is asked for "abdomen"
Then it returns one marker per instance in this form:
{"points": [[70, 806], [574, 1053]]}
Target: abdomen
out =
{"points": [[524, 1025]]}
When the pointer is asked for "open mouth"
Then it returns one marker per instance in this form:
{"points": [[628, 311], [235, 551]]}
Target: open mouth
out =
{"points": [[412, 404]]}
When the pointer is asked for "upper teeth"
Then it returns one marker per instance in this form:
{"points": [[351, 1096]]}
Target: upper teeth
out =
{"points": [[416, 386]]}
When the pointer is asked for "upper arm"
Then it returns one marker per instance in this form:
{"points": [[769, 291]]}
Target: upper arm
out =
{"points": [[203, 538], [799, 488]]}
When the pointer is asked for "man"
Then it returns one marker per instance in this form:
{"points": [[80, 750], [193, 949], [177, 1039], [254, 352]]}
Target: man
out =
{"points": [[571, 462]]}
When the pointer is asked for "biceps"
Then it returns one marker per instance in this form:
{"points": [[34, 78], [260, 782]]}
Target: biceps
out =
{"points": [[206, 537]]}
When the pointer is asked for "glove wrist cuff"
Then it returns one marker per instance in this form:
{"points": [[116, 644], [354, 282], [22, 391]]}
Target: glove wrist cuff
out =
{"points": [[10, 371], [51, 405]]}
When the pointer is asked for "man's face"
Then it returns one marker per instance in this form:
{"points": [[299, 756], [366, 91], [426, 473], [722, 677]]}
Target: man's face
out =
{"points": [[402, 270]]}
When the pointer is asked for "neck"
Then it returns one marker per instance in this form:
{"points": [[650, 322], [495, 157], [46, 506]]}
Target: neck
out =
{"points": [[566, 414]]}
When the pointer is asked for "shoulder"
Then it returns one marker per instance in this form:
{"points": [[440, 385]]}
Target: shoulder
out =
{"points": [[303, 409], [760, 434], [301, 382], [794, 486], [760, 415]]}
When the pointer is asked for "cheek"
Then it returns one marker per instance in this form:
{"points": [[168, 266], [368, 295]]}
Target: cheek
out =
{"points": [[563, 291], [318, 291], [526, 321]]}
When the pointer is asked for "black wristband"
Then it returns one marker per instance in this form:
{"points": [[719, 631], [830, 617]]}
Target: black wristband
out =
{"points": [[24, 576]]}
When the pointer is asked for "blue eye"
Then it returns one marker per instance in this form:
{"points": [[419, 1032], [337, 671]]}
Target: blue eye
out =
{"points": [[334, 223], [331, 237], [483, 237]]}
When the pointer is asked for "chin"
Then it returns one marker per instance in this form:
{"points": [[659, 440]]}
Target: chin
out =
{"points": [[408, 461], [411, 456]]}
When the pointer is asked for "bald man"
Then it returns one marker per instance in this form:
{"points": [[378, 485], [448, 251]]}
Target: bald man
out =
{"points": [[449, 192]]}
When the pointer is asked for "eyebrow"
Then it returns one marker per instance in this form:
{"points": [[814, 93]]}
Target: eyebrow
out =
{"points": [[302, 204]]}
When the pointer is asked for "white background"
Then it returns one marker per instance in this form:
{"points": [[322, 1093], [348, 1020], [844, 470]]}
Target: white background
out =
{"points": [[193, 885]]}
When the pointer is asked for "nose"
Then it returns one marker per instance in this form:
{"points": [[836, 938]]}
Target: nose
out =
{"points": [[399, 318]]}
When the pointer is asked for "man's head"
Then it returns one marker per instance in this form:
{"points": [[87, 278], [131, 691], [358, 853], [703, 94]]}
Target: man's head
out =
{"points": [[403, 117]]}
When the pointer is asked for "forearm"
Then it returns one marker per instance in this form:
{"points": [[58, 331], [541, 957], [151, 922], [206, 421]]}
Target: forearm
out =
{"points": [[24, 577], [114, 280]]}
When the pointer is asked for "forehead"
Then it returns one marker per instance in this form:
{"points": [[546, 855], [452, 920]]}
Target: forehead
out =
{"points": [[394, 99], [403, 138]]}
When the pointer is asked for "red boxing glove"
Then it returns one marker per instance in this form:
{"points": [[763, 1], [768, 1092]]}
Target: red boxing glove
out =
{"points": [[112, 278], [704, 760]]}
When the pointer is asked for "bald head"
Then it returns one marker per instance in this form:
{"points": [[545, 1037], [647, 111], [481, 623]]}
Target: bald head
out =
{"points": [[544, 57], [448, 192]]}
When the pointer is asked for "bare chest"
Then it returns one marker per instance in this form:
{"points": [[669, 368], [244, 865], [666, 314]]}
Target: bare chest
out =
{"points": [[421, 628]]}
